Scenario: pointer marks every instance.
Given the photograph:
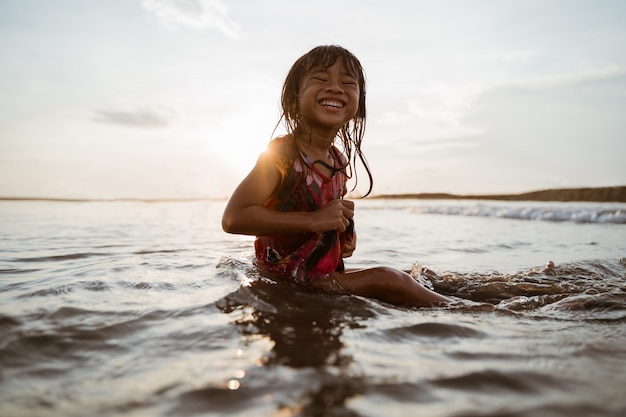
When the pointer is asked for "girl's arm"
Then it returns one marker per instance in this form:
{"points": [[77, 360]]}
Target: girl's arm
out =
{"points": [[245, 214]]}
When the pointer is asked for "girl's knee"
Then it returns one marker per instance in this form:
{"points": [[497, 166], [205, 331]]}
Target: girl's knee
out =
{"points": [[398, 287], [391, 278], [375, 281]]}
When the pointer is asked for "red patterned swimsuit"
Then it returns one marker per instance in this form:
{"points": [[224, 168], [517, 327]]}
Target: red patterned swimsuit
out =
{"points": [[304, 257]]}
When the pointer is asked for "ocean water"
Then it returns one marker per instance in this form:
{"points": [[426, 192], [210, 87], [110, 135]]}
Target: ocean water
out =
{"points": [[149, 309]]}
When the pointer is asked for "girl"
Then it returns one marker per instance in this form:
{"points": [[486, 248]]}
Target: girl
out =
{"points": [[292, 199]]}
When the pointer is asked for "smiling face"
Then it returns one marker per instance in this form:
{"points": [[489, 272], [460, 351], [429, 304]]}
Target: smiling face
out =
{"points": [[329, 98], [324, 96]]}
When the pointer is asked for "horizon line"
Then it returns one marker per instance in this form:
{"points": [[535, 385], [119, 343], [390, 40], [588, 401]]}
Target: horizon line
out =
{"points": [[417, 195], [110, 200]]}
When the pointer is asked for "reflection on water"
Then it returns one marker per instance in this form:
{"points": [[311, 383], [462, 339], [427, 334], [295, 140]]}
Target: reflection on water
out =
{"points": [[305, 328]]}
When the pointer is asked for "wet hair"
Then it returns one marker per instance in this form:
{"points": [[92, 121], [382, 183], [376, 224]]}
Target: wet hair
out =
{"points": [[350, 134]]}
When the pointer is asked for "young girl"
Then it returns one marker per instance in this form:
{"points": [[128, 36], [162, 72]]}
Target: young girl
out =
{"points": [[292, 200]]}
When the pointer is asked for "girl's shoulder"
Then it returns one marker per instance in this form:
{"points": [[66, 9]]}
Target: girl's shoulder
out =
{"points": [[282, 146], [282, 151]]}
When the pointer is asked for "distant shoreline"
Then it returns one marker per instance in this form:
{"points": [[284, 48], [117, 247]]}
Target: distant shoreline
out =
{"points": [[590, 194], [597, 194], [109, 200]]}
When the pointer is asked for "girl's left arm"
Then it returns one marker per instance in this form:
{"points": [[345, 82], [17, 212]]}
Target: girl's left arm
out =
{"points": [[245, 212]]}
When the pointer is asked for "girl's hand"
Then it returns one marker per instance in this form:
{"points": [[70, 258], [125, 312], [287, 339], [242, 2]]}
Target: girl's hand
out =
{"points": [[334, 215], [349, 246]]}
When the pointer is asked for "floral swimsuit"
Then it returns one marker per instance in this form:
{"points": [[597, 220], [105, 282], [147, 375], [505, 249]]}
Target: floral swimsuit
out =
{"points": [[303, 257]]}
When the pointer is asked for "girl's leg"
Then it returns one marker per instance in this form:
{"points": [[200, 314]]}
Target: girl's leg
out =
{"points": [[389, 285]]}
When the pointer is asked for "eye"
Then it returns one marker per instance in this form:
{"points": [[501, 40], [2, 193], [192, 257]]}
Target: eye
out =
{"points": [[319, 78]]}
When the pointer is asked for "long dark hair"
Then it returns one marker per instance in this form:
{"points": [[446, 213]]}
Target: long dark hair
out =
{"points": [[350, 134]]}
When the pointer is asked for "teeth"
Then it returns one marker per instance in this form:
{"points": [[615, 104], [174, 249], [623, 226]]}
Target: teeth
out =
{"points": [[332, 103]]}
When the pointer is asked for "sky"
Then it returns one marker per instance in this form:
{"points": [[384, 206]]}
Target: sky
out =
{"points": [[177, 98]]}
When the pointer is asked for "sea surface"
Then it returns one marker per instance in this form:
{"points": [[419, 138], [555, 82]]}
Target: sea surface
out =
{"points": [[149, 309]]}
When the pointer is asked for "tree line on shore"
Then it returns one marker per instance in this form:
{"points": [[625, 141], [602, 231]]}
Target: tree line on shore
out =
{"points": [[597, 194]]}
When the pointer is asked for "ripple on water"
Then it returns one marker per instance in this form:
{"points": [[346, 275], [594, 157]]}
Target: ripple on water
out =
{"points": [[432, 330]]}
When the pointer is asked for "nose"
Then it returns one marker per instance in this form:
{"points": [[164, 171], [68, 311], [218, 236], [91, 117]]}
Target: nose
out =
{"points": [[334, 86]]}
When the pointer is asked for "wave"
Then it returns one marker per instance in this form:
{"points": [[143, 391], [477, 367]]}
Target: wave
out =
{"points": [[556, 213], [595, 287], [57, 258]]}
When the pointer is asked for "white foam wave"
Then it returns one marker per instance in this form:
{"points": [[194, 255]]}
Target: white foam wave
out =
{"points": [[561, 213]]}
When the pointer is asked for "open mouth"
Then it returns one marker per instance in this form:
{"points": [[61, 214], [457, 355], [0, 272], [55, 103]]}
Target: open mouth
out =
{"points": [[336, 104]]}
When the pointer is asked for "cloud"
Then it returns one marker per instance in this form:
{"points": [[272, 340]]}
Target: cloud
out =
{"points": [[568, 125], [560, 129], [140, 117], [194, 14], [511, 56], [437, 111], [571, 78]]}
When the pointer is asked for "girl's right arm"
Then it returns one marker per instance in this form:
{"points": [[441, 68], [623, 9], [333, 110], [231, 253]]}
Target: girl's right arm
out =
{"points": [[245, 214]]}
